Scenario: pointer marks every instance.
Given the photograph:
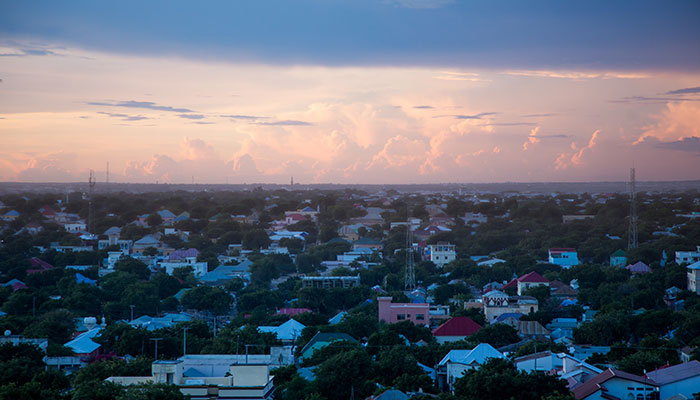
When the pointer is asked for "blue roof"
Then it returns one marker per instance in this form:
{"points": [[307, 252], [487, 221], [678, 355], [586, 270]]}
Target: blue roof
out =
{"points": [[83, 344], [80, 278]]}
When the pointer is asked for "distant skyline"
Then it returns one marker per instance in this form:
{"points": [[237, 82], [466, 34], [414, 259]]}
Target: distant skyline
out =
{"points": [[384, 91]]}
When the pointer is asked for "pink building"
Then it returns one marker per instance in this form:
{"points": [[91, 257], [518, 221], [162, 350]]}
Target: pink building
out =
{"points": [[389, 312]]}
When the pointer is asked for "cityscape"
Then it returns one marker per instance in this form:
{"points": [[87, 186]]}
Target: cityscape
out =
{"points": [[363, 200]]}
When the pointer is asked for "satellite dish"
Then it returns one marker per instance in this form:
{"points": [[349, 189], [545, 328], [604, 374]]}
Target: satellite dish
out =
{"points": [[8, 332]]}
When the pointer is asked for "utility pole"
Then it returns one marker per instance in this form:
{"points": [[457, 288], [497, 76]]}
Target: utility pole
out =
{"points": [[132, 312], [184, 341], [156, 340]]}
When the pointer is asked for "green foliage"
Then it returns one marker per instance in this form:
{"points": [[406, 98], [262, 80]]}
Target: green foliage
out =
{"points": [[232, 340], [133, 266], [206, 298], [345, 373], [499, 379], [497, 335]]}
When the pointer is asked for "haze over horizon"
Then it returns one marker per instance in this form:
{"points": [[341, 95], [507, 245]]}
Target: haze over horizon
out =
{"points": [[349, 92]]}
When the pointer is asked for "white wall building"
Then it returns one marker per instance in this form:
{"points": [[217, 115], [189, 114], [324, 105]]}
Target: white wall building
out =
{"points": [[688, 257], [441, 254]]}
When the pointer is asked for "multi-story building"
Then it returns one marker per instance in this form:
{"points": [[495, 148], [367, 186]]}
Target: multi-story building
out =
{"points": [[328, 282], [687, 257], [418, 313], [694, 277], [564, 257], [441, 253]]}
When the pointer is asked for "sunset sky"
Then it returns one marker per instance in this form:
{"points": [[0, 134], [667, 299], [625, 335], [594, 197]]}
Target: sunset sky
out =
{"points": [[349, 91]]}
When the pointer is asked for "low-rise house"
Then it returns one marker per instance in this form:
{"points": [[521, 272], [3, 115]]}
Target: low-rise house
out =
{"points": [[367, 243], [75, 227], [618, 258], [561, 290], [10, 215], [185, 258], [457, 362], [490, 262], [328, 282], [564, 257], [615, 384], [321, 340], [168, 320], [688, 257], [638, 268], [584, 351], [694, 277], [224, 273], [167, 216], [567, 367], [38, 266], [288, 332], [497, 302], [240, 381], [146, 242], [455, 329], [389, 312], [677, 380], [441, 253], [527, 281]]}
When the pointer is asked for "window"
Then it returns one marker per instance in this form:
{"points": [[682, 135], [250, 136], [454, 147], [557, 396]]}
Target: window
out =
{"points": [[401, 317], [420, 317], [169, 377]]}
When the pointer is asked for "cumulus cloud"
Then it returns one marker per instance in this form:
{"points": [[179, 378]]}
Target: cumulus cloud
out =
{"points": [[535, 137], [676, 121], [565, 160]]}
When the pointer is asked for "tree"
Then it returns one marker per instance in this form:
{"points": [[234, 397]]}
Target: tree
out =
{"points": [[133, 266], [498, 379], [205, 298], [256, 239], [154, 219], [497, 335], [345, 373]]}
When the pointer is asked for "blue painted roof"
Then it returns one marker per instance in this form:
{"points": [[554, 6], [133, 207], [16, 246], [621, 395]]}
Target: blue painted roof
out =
{"points": [[83, 344]]}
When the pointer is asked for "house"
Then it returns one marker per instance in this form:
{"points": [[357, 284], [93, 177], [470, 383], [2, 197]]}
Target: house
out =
{"points": [[430, 230], [455, 329], [224, 273], [568, 368], [351, 231], [288, 332], [618, 258], [532, 330], [490, 262], [682, 379], [694, 277], [615, 384], [167, 216], [146, 242], [328, 282], [367, 243], [688, 257], [457, 362], [185, 258], [638, 268], [497, 302], [441, 253], [75, 227], [83, 345], [292, 311], [321, 340], [10, 216], [564, 257], [168, 320], [38, 266], [474, 219], [195, 377], [561, 290], [391, 394], [15, 284], [527, 281], [389, 312]]}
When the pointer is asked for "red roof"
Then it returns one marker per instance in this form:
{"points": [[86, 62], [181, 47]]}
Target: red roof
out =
{"points": [[562, 250], [39, 266], [532, 277], [593, 385], [457, 326], [297, 217]]}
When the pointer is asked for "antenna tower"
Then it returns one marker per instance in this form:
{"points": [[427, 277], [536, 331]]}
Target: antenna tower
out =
{"points": [[632, 242], [91, 186], [410, 278]]}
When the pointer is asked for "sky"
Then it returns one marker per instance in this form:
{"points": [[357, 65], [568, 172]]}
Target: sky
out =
{"points": [[349, 91]]}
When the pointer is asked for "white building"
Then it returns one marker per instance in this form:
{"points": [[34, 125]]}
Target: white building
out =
{"points": [[563, 257], [682, 379], [688, 257], [694, 277], [441, 254], [457, 362]]}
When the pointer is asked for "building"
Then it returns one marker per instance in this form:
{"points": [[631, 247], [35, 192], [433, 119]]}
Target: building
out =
{"points": [[321, 340], [688, 257], [457, 362], [456, 329], [367, 243], [564, 257], [618, 258], [418, 313], [201, 377], [329, 282], [527, 281], [441, 253], [614, 384], [497, 302], [568, 368], [694, 277], [682, 379], [182, 259], [288, 332]]}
